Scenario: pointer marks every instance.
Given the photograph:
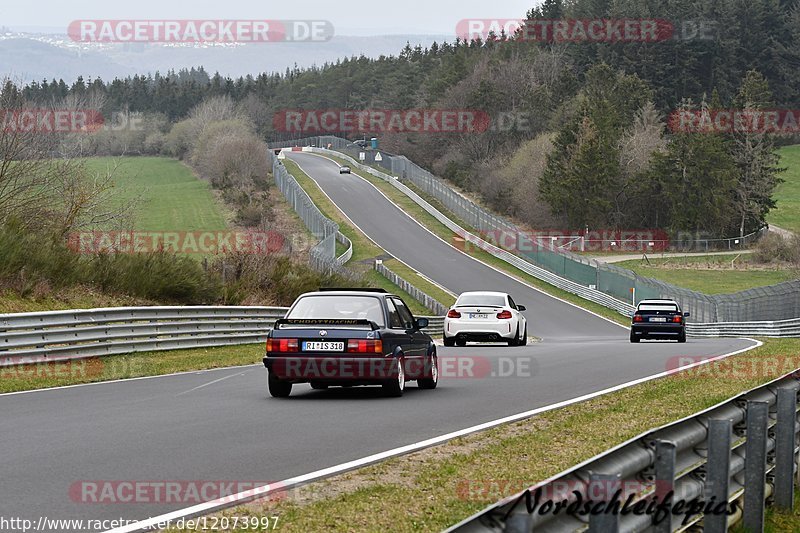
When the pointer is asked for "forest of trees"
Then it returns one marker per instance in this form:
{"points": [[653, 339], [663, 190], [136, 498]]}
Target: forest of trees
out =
{"points": [[594, 148]]}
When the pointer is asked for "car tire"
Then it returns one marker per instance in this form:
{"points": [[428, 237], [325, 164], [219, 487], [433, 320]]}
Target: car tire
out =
{"points": [[316, 385], [278, 388], [524, 341], [449, 341], [515, 340], [634, 338], [461, 342], [432, 380], [682, 336], [394, 387]]}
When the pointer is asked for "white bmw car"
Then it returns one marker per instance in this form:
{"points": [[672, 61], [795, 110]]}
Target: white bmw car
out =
{"points": [[485, 316]]}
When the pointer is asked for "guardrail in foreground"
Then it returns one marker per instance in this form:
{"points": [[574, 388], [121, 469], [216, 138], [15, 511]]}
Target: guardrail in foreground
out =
{"points": [[739, 452], [81, 333]]}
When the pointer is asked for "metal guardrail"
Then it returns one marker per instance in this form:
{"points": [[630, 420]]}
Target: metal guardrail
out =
{"points": [[779, 328], [773, 302], [62, 335], [693, 329], [428, 301], [527, 267], [741, 452], [80, 333]]}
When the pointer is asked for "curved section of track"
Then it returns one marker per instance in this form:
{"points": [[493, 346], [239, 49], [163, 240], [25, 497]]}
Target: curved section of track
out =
{"points": [[221, 425]]}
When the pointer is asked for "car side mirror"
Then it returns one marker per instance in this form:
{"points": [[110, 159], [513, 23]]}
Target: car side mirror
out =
{"points": [[686, 314], [421, 323], [521, 308]]}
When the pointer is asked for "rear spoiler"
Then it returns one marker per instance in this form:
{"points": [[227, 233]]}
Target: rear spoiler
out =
{"points": [[324, 322]]}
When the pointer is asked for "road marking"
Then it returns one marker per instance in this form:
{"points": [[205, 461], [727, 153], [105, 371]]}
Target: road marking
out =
{"points": [[496, 269], [211, 383], [121, 380], [264, 490]]}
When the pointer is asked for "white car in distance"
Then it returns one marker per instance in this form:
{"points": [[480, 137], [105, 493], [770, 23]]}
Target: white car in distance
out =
{"points": [[485, 316]]}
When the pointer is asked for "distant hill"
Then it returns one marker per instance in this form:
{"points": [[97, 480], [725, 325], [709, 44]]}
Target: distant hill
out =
{"points": [[32, 57]]}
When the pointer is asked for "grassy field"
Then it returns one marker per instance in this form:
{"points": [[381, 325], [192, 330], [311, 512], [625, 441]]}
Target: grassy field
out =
{"points": [[710, 274], [168, 195], [440, 480], [787, 213]]}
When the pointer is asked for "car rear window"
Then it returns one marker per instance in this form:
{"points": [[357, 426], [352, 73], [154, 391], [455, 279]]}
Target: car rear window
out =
{"points": [[348, 307], [488, 300], [658, 307]]}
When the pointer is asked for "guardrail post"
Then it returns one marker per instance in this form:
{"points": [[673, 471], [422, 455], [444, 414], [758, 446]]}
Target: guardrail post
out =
{"points": [[665, 479], [605, 522], [755, 465], [784, 447], [718, 468]]}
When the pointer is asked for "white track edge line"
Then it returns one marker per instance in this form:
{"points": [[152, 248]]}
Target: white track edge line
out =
{"points": [[264, 490]]}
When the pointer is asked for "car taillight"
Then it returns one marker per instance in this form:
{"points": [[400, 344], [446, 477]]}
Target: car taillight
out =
{"points": [[677, 319], [453, 314], [282, 345], [364, 346], [504, 314], [638, 318]]}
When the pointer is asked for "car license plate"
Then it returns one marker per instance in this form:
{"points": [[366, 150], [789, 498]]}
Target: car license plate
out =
{"points": [[658, 319], [321, 346], [482, 316]]}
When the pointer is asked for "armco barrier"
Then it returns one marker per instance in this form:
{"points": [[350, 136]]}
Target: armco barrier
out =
{"points": [[773, 302], [739, 453], [428, 301], [696, 306], [75, 334]]}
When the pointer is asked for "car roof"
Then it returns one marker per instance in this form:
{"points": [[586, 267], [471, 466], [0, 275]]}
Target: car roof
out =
{"points": [[658, 301], [347, 292], [483, 293]]}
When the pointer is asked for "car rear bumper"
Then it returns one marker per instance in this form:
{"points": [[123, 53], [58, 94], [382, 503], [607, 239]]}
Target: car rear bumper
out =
{"points": [[331, 368], [487, 331], [657, 330]]}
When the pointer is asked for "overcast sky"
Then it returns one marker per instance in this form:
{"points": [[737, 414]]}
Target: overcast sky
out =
{"points": [[362, 17]]}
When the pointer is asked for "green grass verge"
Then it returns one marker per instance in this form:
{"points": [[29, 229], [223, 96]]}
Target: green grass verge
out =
{"points": [[709, 274], [427, 220], [57, 374], [779, 521], [447, 483], [787, 212], [171, 197], [364, 250]]}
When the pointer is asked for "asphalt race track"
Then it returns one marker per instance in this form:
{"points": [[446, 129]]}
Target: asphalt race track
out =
{"points": [[221, 425]]}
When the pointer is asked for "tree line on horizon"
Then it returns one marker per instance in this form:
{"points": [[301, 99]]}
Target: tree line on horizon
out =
{"points": [[594, 149]]}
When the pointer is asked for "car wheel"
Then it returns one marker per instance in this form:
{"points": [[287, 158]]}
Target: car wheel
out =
{"points": [[682, 336], [432, 380], [449, 341], [278, 388], [461, 342], [318, 386], [525, 337], [634, 338], [515, 340], [395, 386]]}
